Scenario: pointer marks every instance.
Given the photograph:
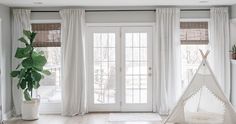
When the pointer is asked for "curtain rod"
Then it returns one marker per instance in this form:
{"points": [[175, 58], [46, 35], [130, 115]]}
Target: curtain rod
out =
{"points": [[128, 10]]}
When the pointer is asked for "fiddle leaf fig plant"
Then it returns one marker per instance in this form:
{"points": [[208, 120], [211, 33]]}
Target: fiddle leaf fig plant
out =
{"points": [[31, 68]]}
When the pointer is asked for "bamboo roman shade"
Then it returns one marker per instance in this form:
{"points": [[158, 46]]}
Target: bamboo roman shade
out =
{"points": [[48, 34], [194, 32]]}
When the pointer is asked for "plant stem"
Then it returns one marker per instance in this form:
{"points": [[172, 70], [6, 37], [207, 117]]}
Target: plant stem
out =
{"points": [[31, 93]]}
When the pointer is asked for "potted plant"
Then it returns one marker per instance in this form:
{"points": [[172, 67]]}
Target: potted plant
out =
{"points": [[29, 73], [233, 52]]}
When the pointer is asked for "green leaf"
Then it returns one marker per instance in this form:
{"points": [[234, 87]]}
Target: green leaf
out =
{"points": [[36, 53], [27, 63], [23, 52], [22, 73], [40, 52], [30, 81], [33, 34], [37, 76], [30, 85], [39, 61], [20, 53], [22, 39], [36, 85], [27, 95], [15, 73], [28, 49], [46, 72], [23, 84], [27, 34]]}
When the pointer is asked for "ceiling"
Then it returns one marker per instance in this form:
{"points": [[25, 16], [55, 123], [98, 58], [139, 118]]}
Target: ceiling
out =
{"points": [[32, 3]]}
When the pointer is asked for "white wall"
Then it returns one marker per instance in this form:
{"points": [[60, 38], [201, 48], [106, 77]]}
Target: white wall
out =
{"points": [[233, 31], [6, 59], [233, 11]]}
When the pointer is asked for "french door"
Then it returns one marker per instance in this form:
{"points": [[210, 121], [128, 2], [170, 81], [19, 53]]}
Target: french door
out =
{"points": [[120, 68]]}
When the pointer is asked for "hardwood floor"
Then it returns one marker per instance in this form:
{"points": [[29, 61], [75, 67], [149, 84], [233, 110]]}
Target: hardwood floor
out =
{"points": [[92, 118]]}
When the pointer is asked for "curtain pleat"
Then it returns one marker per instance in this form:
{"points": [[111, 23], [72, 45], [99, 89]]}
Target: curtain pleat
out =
{"points": [[220, 46], [21, 21], [166, 59], [73, 64]]}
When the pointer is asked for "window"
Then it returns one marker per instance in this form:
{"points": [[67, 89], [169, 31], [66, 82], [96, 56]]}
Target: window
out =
{"points": [[194, 36], [48, 40]]}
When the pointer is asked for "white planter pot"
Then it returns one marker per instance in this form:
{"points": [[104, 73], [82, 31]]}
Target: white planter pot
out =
{"points": [[30, 109]]}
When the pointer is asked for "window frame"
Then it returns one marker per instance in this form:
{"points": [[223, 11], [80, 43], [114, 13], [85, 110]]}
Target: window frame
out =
{"points": [[194, 20], [50, 107], [128, 24]]}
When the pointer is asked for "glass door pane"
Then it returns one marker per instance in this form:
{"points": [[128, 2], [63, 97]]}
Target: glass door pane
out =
{"points": [[137, 60], [103, 95], [104, 68]]}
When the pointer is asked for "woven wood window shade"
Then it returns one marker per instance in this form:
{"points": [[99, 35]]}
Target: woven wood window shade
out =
{"points": [[48, 35], [194, 32]]}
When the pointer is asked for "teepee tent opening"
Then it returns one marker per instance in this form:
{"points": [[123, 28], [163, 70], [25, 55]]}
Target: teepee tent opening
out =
{"points": [[203, 102]]}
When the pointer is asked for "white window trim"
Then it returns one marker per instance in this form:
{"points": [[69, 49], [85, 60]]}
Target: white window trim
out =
{"points": [[194, 19], [197, 20], [120, 24], [46, 21]]}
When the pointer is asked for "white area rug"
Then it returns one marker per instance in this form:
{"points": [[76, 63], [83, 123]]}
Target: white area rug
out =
{"points": [[134, 117]]}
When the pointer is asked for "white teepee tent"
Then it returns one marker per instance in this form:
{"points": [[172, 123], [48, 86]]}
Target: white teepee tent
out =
{"points": [[203, 102]]}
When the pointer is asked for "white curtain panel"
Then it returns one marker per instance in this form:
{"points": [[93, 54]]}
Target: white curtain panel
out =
{"points": [[166, 59], [74, 68], [21, 21], [220, 46]]}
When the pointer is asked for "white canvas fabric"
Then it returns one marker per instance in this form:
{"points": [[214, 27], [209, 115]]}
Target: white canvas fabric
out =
{"points": [[166, 60], [21, 21], [203, 102], [73, 64]]}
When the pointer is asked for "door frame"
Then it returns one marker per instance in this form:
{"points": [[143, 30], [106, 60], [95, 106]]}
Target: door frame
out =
{"points": [[88, 45]]}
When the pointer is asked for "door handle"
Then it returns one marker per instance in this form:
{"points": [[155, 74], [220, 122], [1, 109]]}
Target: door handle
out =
{"points": [[150, 74]]}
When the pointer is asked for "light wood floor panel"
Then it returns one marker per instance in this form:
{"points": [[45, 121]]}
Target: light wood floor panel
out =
{"points": [[93, 118]]}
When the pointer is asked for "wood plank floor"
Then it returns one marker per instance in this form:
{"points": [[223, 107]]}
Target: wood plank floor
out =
{"points": [[92, 118]]}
